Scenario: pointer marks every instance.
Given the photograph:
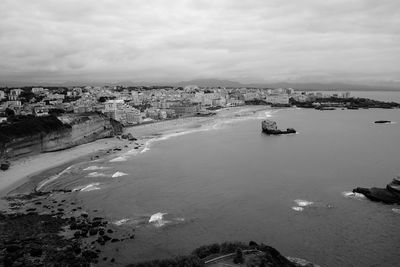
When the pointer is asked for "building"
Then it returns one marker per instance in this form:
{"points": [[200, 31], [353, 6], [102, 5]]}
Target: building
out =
{"points": [[185, 108], [281, 99], [37, 90], [14, 94]]}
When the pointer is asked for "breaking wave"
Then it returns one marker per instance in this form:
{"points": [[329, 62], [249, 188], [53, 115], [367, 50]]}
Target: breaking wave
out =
{"points": [[53, 178], [303, 203], [121, 222], [118, 159], [96, 174], [395, 210], [94, 168], [350, 194], [87, 188], [298, 208], [118, 174], [157, 219]]}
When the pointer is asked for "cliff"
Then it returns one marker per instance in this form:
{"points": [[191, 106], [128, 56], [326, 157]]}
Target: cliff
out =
{"points": [[30, 136]]}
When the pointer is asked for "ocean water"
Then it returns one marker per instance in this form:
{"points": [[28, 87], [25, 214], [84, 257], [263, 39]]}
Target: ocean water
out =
{"points": [[229, 181]]}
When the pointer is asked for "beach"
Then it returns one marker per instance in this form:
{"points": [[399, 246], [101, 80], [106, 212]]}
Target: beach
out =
{"points": [[23, 168]]}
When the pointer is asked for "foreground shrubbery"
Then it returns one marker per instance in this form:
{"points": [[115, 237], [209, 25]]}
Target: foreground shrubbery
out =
{"points": [[184, 261], [271, 257]]}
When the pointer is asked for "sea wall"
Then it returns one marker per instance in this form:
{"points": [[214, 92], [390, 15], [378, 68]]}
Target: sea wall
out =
{"points": [[76, 129]]}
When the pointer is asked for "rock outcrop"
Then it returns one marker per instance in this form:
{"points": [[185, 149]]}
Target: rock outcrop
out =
{"points": [[388, 195], [55, 133], [270, 127]]}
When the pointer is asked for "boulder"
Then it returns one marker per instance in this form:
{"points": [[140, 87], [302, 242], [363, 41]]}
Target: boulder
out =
{"points": [[4, 166]]}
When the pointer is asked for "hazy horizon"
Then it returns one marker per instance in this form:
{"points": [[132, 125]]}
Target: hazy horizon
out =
{"points": [[251, 42]]}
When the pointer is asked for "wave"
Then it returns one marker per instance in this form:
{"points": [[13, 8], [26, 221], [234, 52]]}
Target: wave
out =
{"points": [[87, 188], [157, 219], [118, 159], [118, 174], [94, 168], [121, 222], [303, 203], [96, 174], [52, 178], [350, 194], [396, 210], [297, 208]]}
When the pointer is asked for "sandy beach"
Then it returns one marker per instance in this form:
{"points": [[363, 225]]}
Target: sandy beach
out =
{"points": [[24, 168]]}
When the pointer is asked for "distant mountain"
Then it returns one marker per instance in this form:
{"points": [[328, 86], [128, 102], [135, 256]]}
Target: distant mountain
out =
{"points": [[210, 83], [298, 86]]}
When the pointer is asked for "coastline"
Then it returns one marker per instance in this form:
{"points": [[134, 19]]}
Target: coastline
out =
{"points": [[38, 167]]}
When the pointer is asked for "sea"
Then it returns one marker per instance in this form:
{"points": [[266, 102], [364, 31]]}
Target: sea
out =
{"points": [[230, 182]]}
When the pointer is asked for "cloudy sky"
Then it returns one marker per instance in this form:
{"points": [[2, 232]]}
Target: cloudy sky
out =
{"points": [[173, 40]]}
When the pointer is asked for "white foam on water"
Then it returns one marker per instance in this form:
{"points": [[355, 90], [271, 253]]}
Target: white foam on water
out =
{"points": [[297, 208], [52, 178], [157, 219], [87, 188], [396, 210], [118, 159], [118, 174], [303, 203], [350, 194], [121, 222], [94, 168], [96, 174]]}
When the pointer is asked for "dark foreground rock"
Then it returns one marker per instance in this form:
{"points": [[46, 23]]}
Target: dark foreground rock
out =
{"points": [[270, 127], [388, 195], [39, 230], [33, 240]]}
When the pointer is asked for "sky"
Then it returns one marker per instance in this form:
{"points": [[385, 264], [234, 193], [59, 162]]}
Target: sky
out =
{"points": [[251, 41]]}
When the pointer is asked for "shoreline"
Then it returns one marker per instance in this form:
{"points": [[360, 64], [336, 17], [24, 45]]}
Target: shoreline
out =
{"points": [[29, 171]]}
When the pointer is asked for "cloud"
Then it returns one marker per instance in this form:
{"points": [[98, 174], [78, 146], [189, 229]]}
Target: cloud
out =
{"points": [[158, 40]]}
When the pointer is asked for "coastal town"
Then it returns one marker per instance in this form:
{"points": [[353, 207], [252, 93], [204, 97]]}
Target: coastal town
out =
{"points": [[136, 105]]}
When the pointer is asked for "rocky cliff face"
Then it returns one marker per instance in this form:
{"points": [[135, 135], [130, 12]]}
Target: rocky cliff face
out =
{"points": [[78, 129]]}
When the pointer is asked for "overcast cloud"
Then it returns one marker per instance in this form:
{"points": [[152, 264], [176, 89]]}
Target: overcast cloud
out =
{"points": [[173, 40]]}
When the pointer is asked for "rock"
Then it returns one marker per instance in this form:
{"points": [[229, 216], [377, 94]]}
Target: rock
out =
{"points": [[4, 166], [106, 238], [382, 121], [128, 136], [388, 195], [93, 231], [13, 248], [270, 127], [36, 252], [90, 255], [114, 240]]}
